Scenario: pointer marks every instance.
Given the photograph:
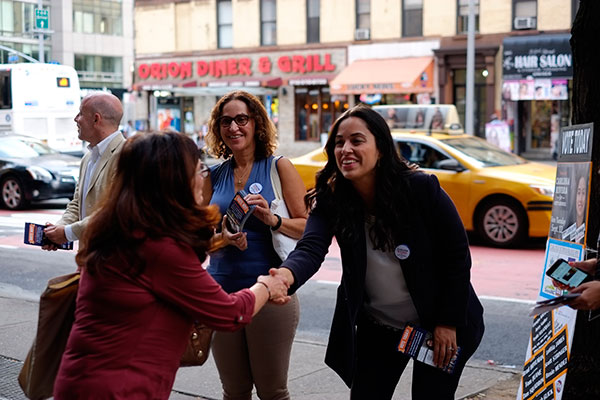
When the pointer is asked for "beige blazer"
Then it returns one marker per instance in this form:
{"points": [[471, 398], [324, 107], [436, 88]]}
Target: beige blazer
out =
{"points": [[99, 182]]}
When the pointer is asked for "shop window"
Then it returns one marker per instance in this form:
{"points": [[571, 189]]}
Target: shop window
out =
{"points": [[313, 21], [363, 14], [412, 18], [224, 24], [268, 23], [316, 110], [525, 14], [462, 25]]}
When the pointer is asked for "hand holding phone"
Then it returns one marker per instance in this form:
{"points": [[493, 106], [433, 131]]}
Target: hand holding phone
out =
{"points": [[567, 275]]}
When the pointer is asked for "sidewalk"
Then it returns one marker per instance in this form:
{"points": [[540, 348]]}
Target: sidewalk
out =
{"points": [[309, 377]]}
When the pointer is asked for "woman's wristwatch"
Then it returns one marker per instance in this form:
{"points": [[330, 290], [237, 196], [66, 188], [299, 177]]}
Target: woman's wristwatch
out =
{"points": [[278, 224]]}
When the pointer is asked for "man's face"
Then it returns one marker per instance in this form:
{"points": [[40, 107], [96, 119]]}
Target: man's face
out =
{"points": [[85, 121]]}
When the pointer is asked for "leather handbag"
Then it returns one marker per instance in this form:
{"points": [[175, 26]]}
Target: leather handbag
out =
{"points": [[282, 244], [56, 316], [198, 347]]}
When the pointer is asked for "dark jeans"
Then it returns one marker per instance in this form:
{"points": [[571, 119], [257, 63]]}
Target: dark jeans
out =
{"points": [[380, 366]]}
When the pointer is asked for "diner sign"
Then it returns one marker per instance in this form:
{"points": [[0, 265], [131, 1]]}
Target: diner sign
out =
{"points": [[279, 64]]}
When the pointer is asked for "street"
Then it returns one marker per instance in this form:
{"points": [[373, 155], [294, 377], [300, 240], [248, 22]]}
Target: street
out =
{"points": [[507, 282]]}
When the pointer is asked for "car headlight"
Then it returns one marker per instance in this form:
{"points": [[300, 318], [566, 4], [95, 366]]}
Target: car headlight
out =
{"points": [[543, 190], [39, 173]]}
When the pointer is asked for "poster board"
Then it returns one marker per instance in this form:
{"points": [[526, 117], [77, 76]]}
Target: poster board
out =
{"points": [[545, 368]]}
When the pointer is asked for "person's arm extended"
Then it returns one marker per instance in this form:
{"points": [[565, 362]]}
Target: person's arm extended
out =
{"points": [[306, 259]]}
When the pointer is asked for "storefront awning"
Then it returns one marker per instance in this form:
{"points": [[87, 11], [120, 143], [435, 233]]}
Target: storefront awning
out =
{"points": [[394, 75]]}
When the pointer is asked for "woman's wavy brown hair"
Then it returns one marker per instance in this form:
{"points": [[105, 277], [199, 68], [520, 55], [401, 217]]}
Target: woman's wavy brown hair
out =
{"points": [[265, 134], [150, 197], [343, 204]]}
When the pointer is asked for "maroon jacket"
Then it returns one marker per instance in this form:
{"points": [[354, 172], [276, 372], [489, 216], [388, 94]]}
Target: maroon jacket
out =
{"points": [[129, 333]]}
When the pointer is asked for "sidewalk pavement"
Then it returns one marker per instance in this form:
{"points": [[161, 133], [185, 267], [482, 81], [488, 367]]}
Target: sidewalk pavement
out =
{"points": [[309, 377]]}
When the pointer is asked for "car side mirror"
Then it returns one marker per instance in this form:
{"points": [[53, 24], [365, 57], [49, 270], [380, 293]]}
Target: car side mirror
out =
{"points": [[450, 164]]}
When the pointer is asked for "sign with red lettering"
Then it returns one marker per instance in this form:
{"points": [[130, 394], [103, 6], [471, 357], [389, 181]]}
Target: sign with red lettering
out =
{"points": [[280, 65]]}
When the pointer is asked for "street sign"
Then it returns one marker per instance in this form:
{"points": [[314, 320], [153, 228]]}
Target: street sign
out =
{"points": [[41, 18]]}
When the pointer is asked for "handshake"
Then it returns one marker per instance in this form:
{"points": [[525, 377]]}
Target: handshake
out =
{"points": [[277, 283]]}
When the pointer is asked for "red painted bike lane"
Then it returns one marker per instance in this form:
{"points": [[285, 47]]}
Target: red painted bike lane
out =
{"points": [[503, 273]]}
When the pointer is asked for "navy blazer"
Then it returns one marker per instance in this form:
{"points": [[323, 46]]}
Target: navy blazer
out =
{"points": [[437, 273]]}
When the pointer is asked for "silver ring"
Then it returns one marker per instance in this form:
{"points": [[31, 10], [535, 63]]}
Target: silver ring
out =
{"points": [[450, 348]]}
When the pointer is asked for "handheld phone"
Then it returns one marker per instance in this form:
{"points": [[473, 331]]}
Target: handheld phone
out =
{"points": [[562, 272]]}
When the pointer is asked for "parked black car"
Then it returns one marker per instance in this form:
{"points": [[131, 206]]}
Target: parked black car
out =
{"points": [[30, 171]]}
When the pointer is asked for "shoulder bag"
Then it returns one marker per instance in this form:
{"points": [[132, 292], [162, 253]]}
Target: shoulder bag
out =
{"points": [[56, 316], [282, 244], [198, 347]]}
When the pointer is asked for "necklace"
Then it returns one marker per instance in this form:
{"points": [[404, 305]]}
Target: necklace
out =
{"points": [[240, 177]]}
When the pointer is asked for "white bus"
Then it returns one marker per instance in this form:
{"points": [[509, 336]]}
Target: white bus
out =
{"points": [[41, 100]]}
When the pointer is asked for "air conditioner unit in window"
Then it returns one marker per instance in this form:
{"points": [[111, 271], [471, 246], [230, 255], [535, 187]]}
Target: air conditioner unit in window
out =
{"points": [[524, 22], [362, 34]]}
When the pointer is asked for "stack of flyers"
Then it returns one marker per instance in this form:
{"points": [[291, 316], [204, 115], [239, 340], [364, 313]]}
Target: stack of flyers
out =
{"points": [[541, 306], [418, 344], [34, 234], [238, 212]]}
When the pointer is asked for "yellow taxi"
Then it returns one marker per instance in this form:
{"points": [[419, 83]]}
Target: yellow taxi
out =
{"points": [[501, 196]]}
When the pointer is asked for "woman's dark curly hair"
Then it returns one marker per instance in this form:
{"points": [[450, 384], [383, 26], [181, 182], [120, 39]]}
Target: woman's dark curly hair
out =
{"points": [[343, 203], [151, 196], [265, 134]]}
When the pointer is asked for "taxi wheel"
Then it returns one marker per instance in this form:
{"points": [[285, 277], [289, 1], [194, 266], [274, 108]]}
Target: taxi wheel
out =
{"points": [[502, 223]]}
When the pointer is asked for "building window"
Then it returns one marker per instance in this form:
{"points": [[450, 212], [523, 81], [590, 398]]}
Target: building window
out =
{"points": [[17, 19], [462, 24], [225, 24], [316, 110], [412, 18], [268, 23], [32, 50], [99, 71], [363, 14], [525, 14], [313, 21], [102, 17]]}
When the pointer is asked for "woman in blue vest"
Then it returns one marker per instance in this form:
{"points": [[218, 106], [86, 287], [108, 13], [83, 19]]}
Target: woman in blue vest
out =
{"points": [[241, 132]]}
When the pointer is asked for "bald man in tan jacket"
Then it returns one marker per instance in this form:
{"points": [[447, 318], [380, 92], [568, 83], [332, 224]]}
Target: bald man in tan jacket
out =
{"points": [[98, 124]]}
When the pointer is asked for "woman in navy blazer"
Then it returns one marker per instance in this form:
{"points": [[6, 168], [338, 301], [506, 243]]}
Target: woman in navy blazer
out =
{"points": [[405, 259]]}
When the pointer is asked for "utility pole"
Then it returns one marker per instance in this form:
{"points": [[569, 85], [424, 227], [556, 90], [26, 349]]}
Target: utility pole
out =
{"points": [[470, 95], [41, 25]]}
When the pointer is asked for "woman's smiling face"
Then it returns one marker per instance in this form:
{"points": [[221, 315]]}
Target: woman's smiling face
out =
{"points": [[237, 137], [356, 151]]}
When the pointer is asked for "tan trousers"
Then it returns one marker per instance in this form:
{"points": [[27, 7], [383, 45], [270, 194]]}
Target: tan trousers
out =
{"points": [[258, 354]]}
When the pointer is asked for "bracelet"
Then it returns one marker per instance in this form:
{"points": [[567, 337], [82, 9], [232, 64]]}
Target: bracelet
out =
{"points": [[278, 224], [265, 285]]}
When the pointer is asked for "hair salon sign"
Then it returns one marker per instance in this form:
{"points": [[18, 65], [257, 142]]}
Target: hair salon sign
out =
{"points": [[539, 56]]}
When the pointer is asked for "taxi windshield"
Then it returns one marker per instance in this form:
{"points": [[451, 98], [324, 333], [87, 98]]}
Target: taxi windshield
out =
{"points": [[482, 153]]}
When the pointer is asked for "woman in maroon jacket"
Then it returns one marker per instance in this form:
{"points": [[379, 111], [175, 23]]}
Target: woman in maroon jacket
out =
{"points": [[142, 281]]}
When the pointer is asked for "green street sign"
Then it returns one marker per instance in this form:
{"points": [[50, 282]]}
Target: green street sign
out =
{"points": [[41, 18]]}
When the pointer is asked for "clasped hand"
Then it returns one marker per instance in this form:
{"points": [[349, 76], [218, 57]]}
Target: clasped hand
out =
{"points": [[278, 287]]}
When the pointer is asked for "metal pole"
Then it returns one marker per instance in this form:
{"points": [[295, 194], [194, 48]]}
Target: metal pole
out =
{"points": [[41, 37], [469, 101]]}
